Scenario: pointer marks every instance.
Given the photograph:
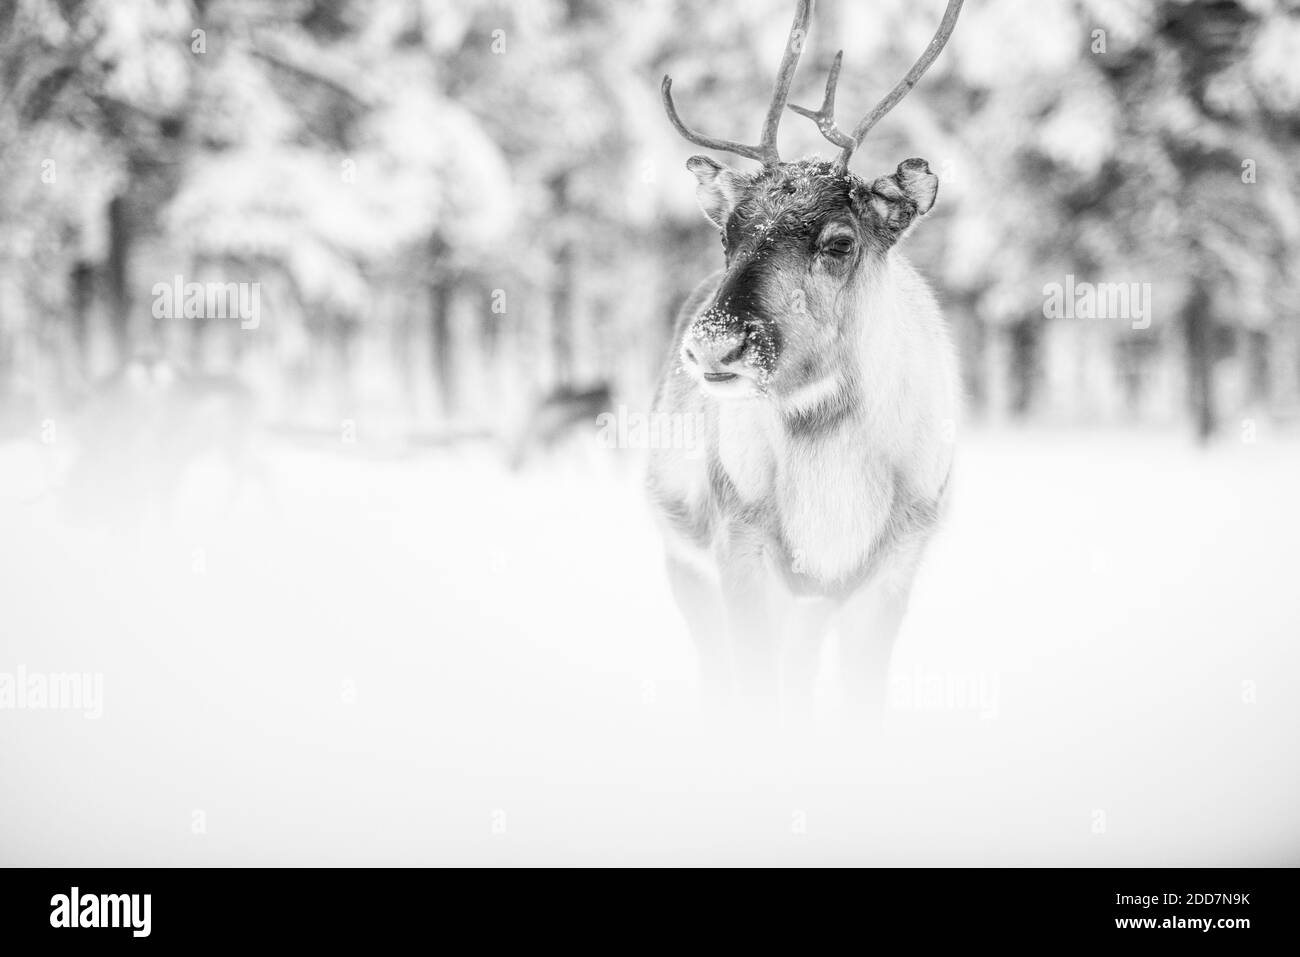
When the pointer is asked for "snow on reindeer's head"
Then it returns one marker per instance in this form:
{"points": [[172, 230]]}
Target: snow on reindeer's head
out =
{"points": [[802, 239]]}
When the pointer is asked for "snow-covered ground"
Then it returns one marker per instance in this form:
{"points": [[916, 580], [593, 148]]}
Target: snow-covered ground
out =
{"points": [[430, 660]]}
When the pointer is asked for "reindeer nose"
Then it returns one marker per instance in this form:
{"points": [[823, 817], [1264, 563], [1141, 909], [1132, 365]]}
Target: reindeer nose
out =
{"points": [[715, 342]]}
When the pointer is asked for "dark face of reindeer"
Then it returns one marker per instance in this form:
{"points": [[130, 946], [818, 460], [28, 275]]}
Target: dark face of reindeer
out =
{"points": [[803, 241]]}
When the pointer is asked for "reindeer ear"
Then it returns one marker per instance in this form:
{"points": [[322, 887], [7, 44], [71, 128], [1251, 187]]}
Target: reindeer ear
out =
{"points": [[894, 202], [718, 190]]}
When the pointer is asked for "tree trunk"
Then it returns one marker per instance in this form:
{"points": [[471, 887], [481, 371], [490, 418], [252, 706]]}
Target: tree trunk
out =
{"points": [[442, 299], [490, 332], [1258, 389], [1025, 336], [119, 287], [1198, 333], [1284, 356], [562, 319], [81, 278], [972, 342]]}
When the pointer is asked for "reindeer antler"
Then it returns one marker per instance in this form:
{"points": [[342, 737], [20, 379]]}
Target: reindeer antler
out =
{"points": [[765, 152], [825, 117]]}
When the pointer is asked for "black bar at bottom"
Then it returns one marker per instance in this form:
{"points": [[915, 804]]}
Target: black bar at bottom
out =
{"points": [[1165, 907]]}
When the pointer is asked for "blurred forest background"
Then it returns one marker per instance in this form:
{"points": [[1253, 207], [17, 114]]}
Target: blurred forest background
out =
{"points": [[454, 210]]}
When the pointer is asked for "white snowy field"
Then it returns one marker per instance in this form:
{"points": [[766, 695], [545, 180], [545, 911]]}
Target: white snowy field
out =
{"points": [[430, 660]]}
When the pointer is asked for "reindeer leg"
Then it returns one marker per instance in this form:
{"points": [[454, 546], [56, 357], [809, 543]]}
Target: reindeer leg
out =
{"points": [[868, 626], [753, 627], [700, 601], [806, 623]]}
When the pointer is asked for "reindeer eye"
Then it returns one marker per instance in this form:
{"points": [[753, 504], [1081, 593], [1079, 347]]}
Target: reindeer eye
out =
{"points": [[839, 246]]}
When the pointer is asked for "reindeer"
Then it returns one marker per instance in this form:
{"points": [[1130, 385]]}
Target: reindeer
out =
{"points": [[819, 363]]}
